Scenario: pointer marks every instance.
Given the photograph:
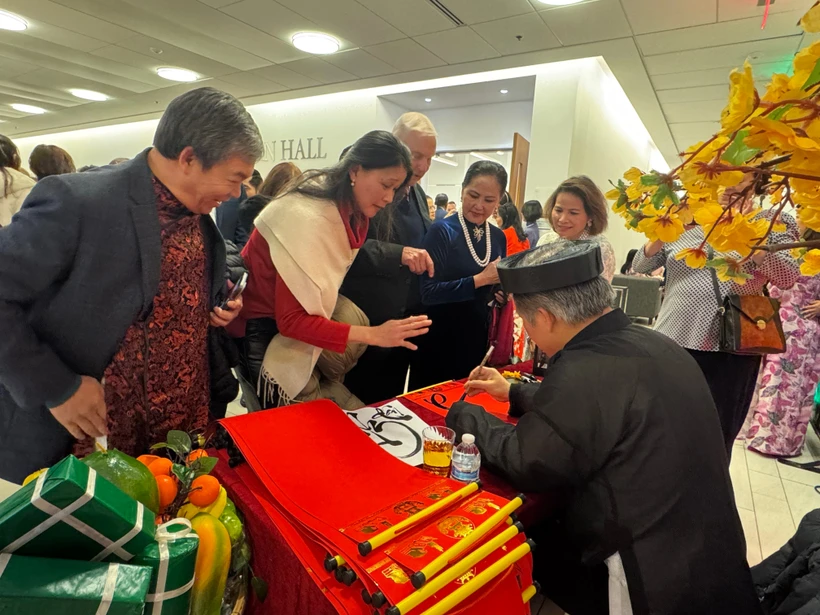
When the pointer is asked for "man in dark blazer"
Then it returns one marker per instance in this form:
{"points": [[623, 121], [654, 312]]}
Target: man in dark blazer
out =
{"points": [[80, 267], [384, 278]]}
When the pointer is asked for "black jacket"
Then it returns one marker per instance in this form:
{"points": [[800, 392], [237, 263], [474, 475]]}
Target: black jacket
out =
{"points": [[227, 215], [625, 419], [248, 210], [788, 582], [78, 266], [377, 281], [222, 352]]}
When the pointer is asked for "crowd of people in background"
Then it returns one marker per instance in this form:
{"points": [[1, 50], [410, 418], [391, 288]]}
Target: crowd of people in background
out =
{"points": [[360, 286], [424, 258]]}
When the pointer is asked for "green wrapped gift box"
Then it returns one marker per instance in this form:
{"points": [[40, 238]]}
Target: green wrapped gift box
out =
{"points": [[71, 512], [69, 587], [172, 559]]}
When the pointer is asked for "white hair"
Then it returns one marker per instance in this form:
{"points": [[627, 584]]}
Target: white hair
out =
{"points": [[413, 121]]}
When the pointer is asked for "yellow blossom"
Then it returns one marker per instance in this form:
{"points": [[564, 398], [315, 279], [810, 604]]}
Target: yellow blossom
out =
{"points": [[810, 22], [667, 228], [636, 191], [780, 89], [708, 152], [614, 194], [727, 179], [811, 263], [686, 211], [633, 175], [810, 217], [695, 257], [767, 132], [739, 235], [709, 214], [743, 99], [804, 63]]}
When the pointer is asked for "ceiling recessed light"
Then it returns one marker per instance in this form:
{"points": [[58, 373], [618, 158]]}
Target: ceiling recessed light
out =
{"points": [[449, 155], [27, 109], [500, 153], [504, 91], [428, 100], [88, 95], [177, 74], [481, 156], [316, 42], [451, 163], [8, 21]]}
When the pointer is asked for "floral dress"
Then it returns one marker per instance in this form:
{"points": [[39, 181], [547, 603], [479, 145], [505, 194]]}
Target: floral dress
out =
{"points": [[784, 399]]}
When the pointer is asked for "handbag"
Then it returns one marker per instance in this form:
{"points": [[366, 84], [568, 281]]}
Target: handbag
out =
{"points": [[502, 328], [749, 324]]}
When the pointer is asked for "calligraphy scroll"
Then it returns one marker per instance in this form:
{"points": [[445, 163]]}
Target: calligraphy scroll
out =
{"points": [[395, 428], [439, 398]]}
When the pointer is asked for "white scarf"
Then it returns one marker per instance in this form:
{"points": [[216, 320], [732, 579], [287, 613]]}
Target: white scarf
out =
{"points": [[310, 249]]}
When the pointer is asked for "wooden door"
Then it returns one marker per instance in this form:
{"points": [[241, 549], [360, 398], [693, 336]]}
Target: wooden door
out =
{"points": [[518, 172]]}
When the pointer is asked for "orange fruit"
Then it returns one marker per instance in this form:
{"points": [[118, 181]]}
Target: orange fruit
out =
{"points": [[196, 455], [161, 467], [167, 490], [204, 491], [147, 460]]}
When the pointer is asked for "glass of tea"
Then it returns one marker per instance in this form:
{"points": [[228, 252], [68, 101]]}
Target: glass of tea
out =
{"points": [[438, 449]]}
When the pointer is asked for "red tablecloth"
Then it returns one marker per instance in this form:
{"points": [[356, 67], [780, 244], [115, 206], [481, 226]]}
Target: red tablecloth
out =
{"points": [[291, 590]]}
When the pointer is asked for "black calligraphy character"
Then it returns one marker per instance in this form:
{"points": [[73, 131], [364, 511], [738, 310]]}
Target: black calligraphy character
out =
{"points": [[438, 399]]}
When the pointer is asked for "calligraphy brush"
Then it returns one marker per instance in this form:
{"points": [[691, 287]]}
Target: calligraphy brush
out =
{"points": [[483, 363]]}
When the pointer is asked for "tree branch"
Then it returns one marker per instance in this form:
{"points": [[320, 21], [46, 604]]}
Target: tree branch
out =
{"points": [[779, 247]]}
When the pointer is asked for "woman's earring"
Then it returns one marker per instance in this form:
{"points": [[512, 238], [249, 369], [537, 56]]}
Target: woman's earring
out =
{"points": [[352, 183]]}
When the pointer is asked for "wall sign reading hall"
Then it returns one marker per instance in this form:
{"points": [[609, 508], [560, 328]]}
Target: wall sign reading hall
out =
{"points": [[309, 148]]}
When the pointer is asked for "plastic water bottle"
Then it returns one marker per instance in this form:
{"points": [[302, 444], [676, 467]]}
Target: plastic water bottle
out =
{"points": [[466, 460]]}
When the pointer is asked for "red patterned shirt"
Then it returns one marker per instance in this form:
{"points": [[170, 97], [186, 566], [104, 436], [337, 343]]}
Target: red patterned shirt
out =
{"points": [[159, 379]]}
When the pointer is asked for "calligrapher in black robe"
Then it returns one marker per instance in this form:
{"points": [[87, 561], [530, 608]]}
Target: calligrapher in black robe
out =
{"points": [[624, 420]]}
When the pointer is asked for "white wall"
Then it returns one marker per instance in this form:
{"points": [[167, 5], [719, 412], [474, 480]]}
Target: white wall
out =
{"points": [[609, 138], [552, 127], [447, 179], [97, 146], [339, 119], [481, 127]]}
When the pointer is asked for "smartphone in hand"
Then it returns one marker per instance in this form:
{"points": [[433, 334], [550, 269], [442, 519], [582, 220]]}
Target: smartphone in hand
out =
{"points": [[237, 290]]}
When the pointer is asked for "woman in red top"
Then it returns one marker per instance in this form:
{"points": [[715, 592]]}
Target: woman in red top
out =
{"points": [[511, 225], [302, 246]]}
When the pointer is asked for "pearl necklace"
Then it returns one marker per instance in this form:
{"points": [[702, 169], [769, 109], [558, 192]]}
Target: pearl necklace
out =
{"points": [[481, 262]]}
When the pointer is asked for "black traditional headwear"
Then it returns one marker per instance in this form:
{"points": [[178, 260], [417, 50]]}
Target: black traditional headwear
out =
{"points": [[555, 265]]}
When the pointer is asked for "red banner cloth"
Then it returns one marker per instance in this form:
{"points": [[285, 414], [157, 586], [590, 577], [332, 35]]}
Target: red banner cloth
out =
{"points": [[440, 397], [292, 590]]}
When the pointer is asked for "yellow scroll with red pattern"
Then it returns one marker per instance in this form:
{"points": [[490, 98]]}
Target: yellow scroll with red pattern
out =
{"points": [[326, 476], [434, 538]]}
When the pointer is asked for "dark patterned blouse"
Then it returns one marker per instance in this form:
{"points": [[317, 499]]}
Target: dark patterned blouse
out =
{"points": [[159, 379]]}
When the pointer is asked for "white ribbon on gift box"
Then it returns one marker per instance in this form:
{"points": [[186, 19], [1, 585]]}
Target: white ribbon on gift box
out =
{"points": [[66, 516], [164, 536], [109, 587]]}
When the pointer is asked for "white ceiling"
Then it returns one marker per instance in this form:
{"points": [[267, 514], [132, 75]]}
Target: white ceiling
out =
{"points": [[684, 48], [483, 93]]}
